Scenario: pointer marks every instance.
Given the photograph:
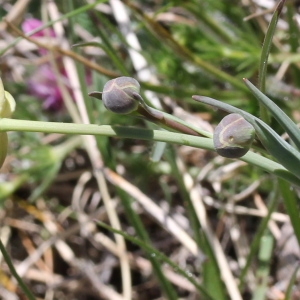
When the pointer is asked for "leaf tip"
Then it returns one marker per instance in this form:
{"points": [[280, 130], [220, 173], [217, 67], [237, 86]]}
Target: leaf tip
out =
{"points": [[280, 6], [196, 97]]}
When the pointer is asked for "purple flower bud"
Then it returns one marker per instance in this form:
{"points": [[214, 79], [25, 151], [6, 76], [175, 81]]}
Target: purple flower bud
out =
{"points": [[120, 95], [233, 136]]}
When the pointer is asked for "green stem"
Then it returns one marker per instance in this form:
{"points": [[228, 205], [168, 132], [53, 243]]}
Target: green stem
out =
{"points": [[13, 271], [142, 134]]}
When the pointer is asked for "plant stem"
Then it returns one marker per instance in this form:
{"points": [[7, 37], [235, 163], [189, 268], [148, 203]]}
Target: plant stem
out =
{"points": [[142, 134]]}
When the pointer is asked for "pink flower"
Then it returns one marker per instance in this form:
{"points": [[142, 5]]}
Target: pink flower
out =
{"points": [[43, 83], [31, 24]]}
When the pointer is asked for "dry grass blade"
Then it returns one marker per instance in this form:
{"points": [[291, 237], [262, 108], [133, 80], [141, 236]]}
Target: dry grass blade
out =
{"points": [[154, 210], [64, 52]]}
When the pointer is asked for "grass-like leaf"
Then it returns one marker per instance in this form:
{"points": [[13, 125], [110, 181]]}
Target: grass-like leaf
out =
{"points": [[107, 49], [13, 271], [263, 271], [290, 201], [289, 126], [265, 51], [291, 284], [135, 220], [160, 257], [258, 236], [278, 148], [210, 269]]}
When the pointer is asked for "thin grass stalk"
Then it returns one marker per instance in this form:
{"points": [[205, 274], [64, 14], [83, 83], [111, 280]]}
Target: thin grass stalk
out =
{"points": [[286, 123], [209, 21], [265, 51], [141, 232], [13, 271], [259, 233], [293, 40], [291, 205], [210, 267], [162, 257], [263, 270], [289, 290]]}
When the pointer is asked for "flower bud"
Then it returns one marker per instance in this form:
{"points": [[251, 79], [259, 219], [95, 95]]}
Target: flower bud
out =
{"points": [[7, 103], [233, 136], [120, 95], [7, 107]]}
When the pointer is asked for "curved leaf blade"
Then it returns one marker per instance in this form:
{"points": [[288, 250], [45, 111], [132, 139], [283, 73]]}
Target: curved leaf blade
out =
{"points": [[278, 148], [287, 124]]}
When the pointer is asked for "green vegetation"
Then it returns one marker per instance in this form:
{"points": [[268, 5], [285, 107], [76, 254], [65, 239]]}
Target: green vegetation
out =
{"points": [[126, 198]]}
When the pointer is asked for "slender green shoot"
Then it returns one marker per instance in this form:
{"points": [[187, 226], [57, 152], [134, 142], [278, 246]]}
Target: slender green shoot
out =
{"points": [[13, 271]]}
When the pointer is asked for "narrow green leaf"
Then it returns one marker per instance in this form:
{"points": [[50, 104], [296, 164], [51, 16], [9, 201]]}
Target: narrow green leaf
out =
{"points": [[159, 256], [85, 44], [135, 220], [14, 273], [209, 268], [258, 236], [291, 284], [276, 169], [265, 51], [287, 124], [290, 202], [263, 271], [278, 148], [108, 47], [293, 38]]}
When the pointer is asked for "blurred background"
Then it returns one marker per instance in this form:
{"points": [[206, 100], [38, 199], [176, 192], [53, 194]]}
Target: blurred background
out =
{"points": [[220, 221]]}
